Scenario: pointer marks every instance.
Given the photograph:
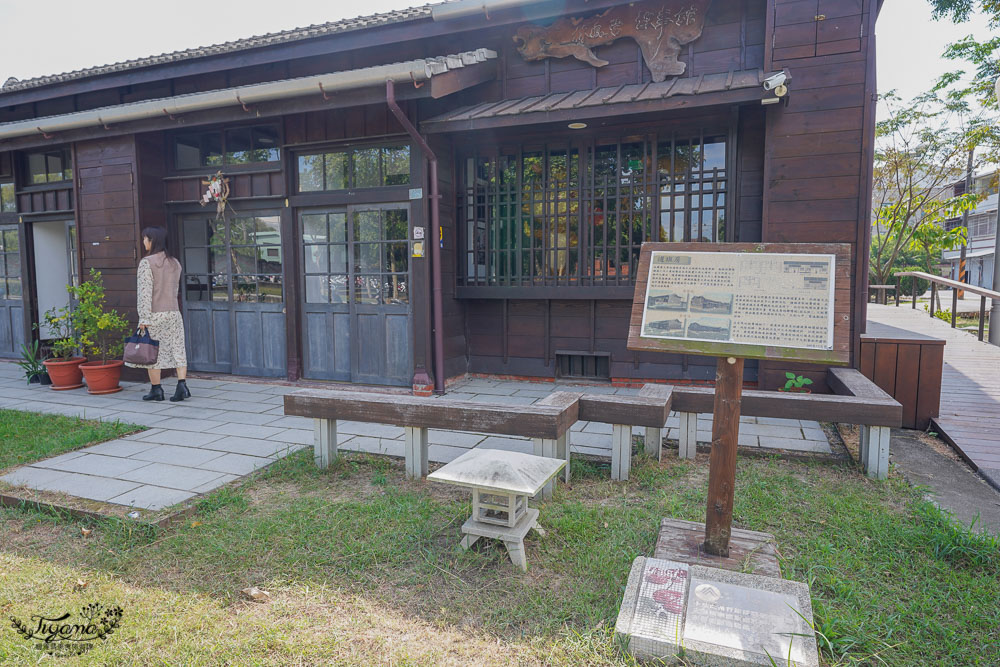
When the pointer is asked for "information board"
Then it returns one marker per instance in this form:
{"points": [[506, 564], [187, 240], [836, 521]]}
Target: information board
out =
{"points": [[746, 300]]}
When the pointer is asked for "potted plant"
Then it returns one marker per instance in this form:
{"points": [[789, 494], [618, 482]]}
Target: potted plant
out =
{"points": [[796, 384], [101, 335], [33, 369], [64, 367]]}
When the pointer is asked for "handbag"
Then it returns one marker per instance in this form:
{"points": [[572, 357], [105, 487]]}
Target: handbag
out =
{"points": [[140, 348]]}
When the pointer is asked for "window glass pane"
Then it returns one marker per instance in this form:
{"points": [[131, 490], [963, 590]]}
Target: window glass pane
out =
{"points": [[196, 260], [714, 154], [54, 166], [241, 231], [396, 163], [338, 227], [36, 168], [238, 146], [269, 258], [310, 173], [367, 289], [336, 168], [196, 288], [366, 256], [396, 225], [268, 230], [269, 289], [13, 265], [245, 289], [211, 149], [314, 229], [265, 143], [338, 289], [366, 171], [338, 259], [395, 290], [3, 288], [13, 288], [317, 289], [220, 288], [187, 152], [7, 202], [10, 241], [316, 259], [396, 257], [244, 259], [196, 231], [366, 226]]}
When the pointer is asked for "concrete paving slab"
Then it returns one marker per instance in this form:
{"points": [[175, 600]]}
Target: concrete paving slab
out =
{"points": [[121, 448], [377, 446], [181, 438], [184, 424], [507, 444], [296, 436], [151, 497], [139, 418], [249, 446], [198, 413], [247, 430], [772, 431], [91, 486], [222, 480], [190, 456], [795, 444], [370, 430], [35, 478], [454, 438], [170, 476], [94, 464], [61, 458], [237, 464], [292, 422]]}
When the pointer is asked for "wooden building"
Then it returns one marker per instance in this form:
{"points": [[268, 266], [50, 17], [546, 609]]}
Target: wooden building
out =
{"points": [[450, 189]]}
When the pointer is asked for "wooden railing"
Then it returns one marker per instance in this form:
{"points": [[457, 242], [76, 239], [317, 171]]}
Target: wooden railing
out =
{"points": [[955, 286]]}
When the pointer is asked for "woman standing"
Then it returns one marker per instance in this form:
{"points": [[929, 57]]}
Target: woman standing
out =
{"points": [[158, 280]]}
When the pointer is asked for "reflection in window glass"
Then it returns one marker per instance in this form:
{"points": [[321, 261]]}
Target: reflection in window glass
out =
{"points": [[310, 173], [265, 144], [396, 165], [187, 151], [7, 202], [337, 171], [36, 168], [51, 166], [366, 169], [239, 147]]}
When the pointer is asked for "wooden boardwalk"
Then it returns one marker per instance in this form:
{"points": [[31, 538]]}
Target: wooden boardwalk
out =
{"points": [[970, 387]]}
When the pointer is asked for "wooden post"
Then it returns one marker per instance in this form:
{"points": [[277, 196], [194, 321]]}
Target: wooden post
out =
{"points": [[722, 461]]}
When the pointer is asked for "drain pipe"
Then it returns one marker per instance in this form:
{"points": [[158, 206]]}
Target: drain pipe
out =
{"points": [[437, 315]]}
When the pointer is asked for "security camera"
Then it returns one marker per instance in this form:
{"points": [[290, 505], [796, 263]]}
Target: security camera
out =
{"points": [[774, 80]]}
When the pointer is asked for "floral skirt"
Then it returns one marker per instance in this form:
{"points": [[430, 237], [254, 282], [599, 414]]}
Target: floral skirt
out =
{"points": [[168, 329]]}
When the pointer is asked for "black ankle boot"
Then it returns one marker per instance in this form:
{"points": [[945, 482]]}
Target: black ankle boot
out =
{"points": [[180, 393], [155, 393]]}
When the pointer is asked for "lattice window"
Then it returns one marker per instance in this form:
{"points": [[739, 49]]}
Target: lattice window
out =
{"points": [[10, 262], [576, 214]]}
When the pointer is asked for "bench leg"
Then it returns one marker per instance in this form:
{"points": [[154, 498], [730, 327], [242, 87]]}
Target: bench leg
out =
{"points": [[324, 442], [621, 451], [873, 451], [653, 442], [415, 452], [688, 435], [562, 452], [549, 448]]}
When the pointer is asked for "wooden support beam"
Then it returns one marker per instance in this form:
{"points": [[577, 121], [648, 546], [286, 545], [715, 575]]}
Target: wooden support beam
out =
{"points": [[415, 452], [722, 462], [324, 442], [687, 438], [621, 451]]}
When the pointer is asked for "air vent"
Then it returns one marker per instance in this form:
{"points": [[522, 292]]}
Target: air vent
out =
{"points": [[583, 366]]}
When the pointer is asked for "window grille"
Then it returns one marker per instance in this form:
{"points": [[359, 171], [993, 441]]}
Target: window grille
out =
{"points": [[563, 214]]}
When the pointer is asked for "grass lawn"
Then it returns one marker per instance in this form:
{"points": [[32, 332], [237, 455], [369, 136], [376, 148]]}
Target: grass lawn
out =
{"points": [[26, 437], [363, 567]]}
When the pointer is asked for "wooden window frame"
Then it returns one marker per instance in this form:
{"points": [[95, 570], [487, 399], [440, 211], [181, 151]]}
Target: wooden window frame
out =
{"points": [[228, 167], [582, 267], [28, 180], [351, 185]]}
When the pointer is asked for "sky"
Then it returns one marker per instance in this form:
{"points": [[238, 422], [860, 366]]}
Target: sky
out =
{"points": [[75, 34]]}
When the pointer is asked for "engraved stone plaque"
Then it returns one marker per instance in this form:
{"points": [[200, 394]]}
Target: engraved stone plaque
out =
{"points": [[748, 619]]}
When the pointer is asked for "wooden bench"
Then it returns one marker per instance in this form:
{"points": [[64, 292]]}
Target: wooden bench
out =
{"points": [[649, 408], [546, 424], [857, 400]]}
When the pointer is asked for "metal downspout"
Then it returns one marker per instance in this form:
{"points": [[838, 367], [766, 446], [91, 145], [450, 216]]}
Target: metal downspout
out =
{"points": [[436, 303]]}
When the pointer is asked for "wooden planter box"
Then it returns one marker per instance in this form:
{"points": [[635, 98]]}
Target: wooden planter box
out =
{"points": [[907, 366]]}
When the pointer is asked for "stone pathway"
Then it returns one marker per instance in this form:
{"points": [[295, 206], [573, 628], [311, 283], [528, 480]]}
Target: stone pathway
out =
{"points": [[230, 429]]}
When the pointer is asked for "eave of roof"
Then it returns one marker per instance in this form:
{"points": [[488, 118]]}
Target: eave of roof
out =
{"points": [[703, 90], [296, 34]]}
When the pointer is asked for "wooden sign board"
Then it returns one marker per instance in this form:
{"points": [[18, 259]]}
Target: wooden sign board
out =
{"points": [[788, 301]]}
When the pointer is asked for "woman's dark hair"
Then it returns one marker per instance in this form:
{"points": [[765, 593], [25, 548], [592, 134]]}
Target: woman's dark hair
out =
{"points": [[158, 240]]}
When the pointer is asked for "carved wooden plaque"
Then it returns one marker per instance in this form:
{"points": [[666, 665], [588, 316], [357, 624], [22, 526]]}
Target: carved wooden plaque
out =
{"points": [[786, 301], [660, 27]]}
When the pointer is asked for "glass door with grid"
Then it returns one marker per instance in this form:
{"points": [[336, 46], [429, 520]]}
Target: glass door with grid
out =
{"points": [[11, 302]]}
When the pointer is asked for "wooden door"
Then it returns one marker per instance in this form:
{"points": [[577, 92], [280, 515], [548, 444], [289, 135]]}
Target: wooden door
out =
{"points": [[356, 285], [234, 312]]}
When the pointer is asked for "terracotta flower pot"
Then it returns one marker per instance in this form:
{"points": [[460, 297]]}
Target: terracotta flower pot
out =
{"points": [[102, 378], [65, 374]]}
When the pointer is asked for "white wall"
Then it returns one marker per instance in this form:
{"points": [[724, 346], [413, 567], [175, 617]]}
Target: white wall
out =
{"points": [[51, 270]]}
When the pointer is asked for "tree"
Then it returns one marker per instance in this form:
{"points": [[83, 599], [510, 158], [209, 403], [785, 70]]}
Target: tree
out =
{"points": [[921, 148], [984, 56]]}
